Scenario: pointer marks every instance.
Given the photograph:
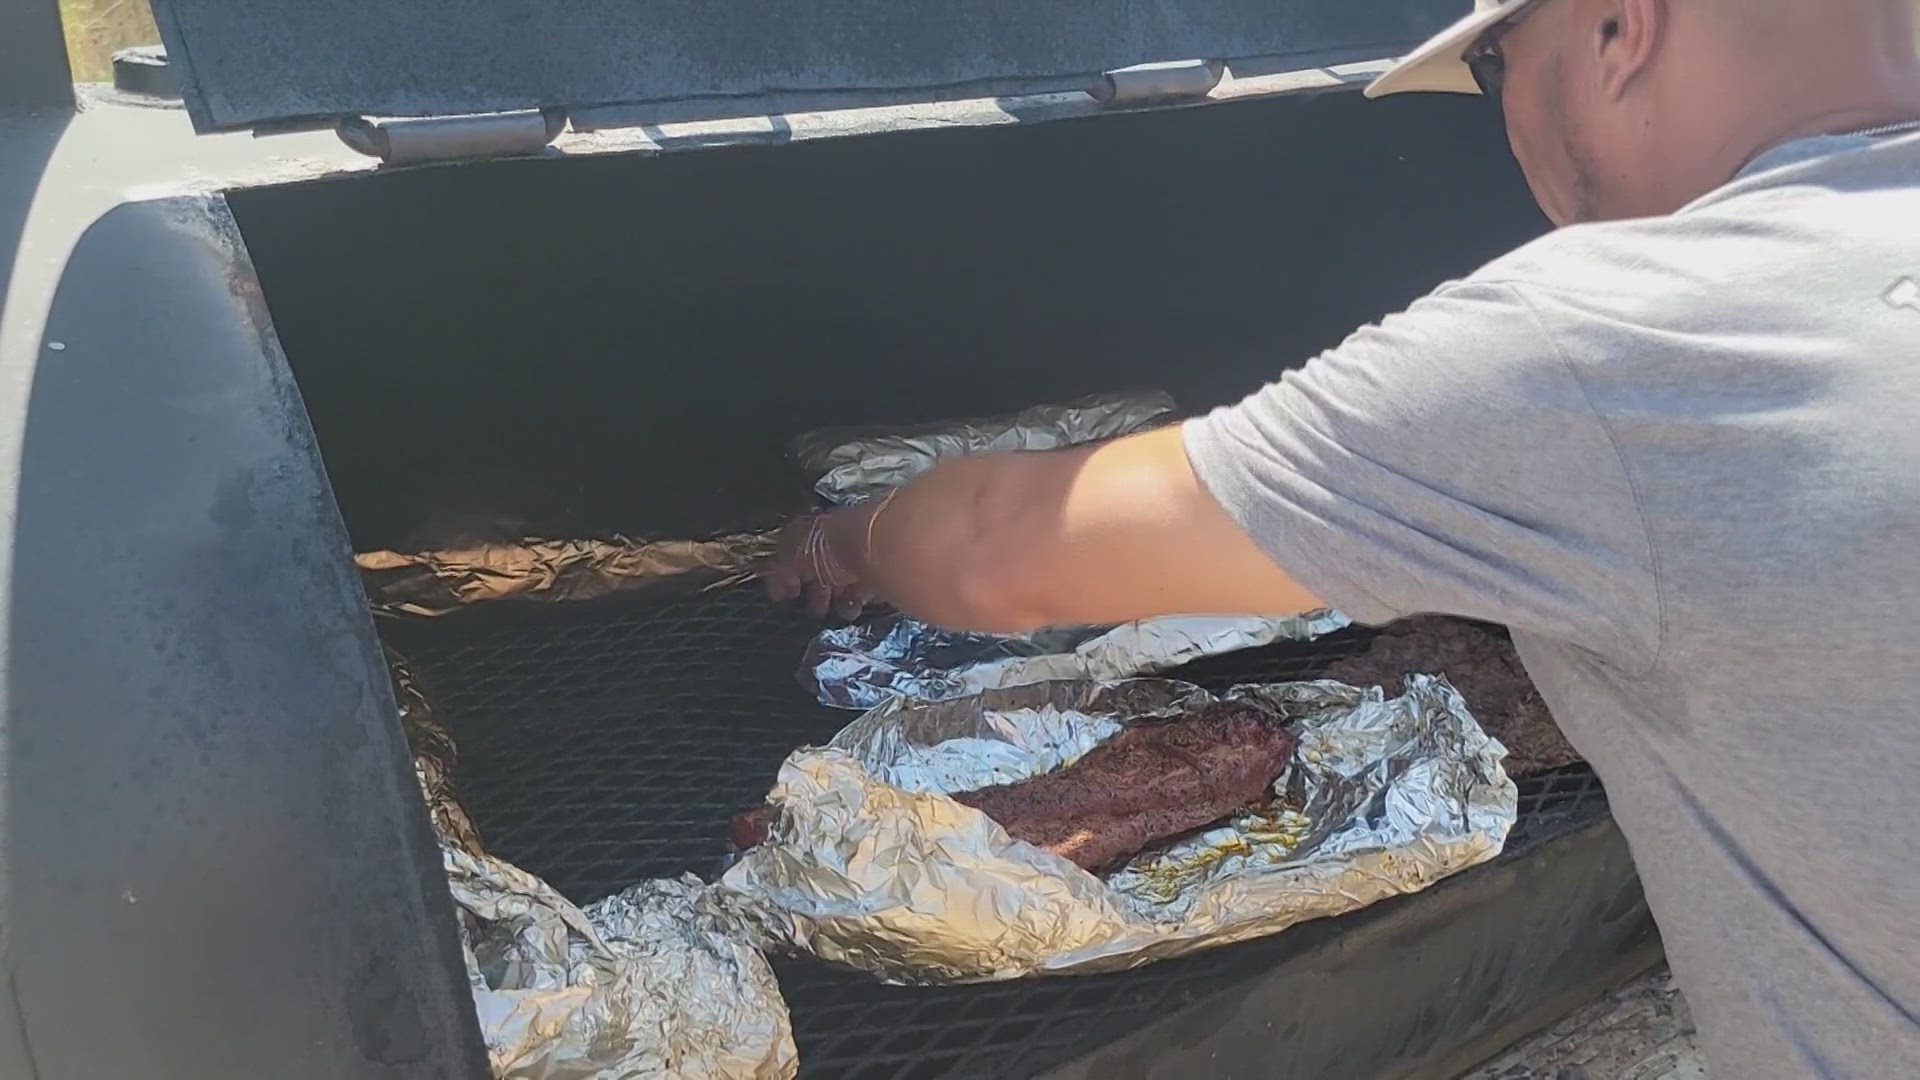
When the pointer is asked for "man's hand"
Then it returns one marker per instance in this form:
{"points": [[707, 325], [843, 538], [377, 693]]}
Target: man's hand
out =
{"points": [[806, 566], [1005, 543]]}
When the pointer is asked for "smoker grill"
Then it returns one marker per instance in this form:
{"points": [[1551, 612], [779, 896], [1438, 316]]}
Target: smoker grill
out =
{"points": [[229, 365], [608, 742]]}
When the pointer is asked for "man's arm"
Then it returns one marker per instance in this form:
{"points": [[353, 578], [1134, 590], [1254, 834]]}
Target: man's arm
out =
{"points": [[1449, 460], [1011, 542]]}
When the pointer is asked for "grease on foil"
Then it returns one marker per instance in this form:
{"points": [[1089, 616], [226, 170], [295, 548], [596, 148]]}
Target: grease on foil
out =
{"points": [[870, 865], [660, 980], [863, 665], [447, 580], [857, 465]]}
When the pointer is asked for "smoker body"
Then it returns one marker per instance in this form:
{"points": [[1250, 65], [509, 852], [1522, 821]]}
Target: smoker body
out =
{"points": [[227, 365]]}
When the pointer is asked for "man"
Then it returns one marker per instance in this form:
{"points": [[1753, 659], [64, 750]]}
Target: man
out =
{"points": [[1674, 446]]}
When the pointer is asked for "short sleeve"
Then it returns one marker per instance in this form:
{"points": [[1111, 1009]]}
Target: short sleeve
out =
{"points": [[1446, 461]]}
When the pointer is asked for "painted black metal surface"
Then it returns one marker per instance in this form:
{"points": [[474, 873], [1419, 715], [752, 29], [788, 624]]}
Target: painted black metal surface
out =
{"points": [[33, 57], [609, 742], [246, 61], [143, 69], [631, 344], [1417, 988], [215, 858]]}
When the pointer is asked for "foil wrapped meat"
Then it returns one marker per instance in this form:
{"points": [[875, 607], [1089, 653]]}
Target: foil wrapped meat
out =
{"points": [[660, 981], [869, 860], [1481, 663], [859, 464], [653, 983], [442, 581], [434, 758], [1150, 783], [863, 665]]}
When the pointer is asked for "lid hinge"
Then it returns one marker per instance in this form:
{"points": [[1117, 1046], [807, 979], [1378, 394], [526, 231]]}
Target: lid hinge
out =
{"points": [[431, 139], [1171, 80]]}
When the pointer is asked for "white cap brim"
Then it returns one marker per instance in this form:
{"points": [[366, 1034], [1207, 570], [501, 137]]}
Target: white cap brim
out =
{"points": [[1440, 66]]}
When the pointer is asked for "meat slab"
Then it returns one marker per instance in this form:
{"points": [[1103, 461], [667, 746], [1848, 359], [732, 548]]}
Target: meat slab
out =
{"points": [[1147, 784], [1150, 783], [1481, 663]]}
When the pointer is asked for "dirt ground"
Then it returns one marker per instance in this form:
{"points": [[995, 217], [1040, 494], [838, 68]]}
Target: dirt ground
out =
{"points": [[96, 28], [1642, 1031]]}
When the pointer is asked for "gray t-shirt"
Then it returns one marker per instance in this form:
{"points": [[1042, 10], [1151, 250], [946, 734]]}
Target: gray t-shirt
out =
{"points": [[1680, 459]]}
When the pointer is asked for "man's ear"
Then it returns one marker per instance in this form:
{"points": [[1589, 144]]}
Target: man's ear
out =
{"points": [[1625, 38]]}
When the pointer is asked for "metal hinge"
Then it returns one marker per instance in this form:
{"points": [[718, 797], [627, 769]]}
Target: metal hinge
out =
{"points": [[1172, 79], [429, 139]]}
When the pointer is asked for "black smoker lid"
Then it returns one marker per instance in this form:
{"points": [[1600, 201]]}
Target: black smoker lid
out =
{"points": [[251, 62]]}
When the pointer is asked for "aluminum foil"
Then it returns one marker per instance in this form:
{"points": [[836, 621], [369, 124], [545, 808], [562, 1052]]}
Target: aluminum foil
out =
{"points": [[858, 465], [866, 664], [656, 981], [434, 757], [447, 580], [869, 864], [661, 980]]}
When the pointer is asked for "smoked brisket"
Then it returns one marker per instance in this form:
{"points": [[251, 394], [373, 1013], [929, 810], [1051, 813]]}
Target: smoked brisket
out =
{"points": [[1478, 661], [1150, 783]]}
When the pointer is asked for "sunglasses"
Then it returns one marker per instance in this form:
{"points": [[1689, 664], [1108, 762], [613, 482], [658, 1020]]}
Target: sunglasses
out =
{"points": [[1485, 60]]}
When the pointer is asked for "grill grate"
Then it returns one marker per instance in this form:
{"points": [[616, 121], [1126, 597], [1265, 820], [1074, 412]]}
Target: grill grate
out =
{"points": [[608, 742]]}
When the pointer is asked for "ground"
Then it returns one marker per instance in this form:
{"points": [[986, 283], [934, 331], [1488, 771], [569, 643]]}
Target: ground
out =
{"points": [[1642, 1031], [96, 28]]}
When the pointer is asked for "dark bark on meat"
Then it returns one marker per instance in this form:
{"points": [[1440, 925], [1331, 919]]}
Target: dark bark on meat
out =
{"points": [[1146, 785], [1478, 661], [749, 828]]}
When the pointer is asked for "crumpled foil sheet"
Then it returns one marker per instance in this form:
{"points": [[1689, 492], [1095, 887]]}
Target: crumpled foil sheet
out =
{"points": [[443, 581], [656, 981], [870, 865], [434, 758], [859, 465], [660, 981], [866, 664]]}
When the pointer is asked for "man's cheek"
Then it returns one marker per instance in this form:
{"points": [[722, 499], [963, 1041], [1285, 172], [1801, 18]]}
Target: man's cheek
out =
{"points": [[1537, 171]]}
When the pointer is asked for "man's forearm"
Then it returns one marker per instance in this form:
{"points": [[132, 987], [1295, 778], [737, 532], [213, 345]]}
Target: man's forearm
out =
{"points": [[938, 549], [1010, 542]]}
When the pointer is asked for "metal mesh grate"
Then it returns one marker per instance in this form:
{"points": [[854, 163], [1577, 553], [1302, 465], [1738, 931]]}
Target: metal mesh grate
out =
{"points": [[605, 743], [1553, 803], [608, 742]]}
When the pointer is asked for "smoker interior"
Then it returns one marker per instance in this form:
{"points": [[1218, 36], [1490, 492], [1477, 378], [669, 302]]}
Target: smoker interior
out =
{"points": [[576, 346]]}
